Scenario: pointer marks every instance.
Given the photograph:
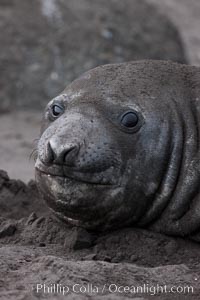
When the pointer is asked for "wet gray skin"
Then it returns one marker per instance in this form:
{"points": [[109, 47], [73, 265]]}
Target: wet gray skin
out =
{"points": [[120, 147]]}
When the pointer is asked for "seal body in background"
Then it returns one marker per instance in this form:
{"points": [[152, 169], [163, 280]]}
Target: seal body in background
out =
{"points": [[120, 147]]}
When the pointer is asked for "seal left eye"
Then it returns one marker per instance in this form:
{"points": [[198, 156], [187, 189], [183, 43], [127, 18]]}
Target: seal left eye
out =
{"points": [[129, 119], [57, 110]]}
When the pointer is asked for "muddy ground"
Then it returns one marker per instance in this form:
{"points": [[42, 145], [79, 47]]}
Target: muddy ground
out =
{"points": [[36, 248]]}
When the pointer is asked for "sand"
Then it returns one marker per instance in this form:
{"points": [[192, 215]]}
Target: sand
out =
{"points": [[39, 252]]}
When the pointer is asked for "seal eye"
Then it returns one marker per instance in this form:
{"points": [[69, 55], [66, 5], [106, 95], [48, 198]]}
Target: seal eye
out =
{"points": [[129, 119], [57, 110]]}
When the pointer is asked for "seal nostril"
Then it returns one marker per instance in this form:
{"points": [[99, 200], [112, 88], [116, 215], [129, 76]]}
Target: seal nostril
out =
{"points": [[61, 154], [48, 154]]}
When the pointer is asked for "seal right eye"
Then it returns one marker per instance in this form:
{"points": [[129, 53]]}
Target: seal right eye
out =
{"points": [[57, 110]]}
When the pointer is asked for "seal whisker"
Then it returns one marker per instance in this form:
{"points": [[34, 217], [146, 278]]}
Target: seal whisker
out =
{"points": [[34, 154]]}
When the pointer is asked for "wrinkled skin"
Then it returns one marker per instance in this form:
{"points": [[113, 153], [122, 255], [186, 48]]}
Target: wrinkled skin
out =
{"points": [[97, 173]]}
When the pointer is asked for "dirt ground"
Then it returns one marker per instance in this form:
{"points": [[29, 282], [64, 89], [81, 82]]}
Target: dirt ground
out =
{"points": [[37, 251]]}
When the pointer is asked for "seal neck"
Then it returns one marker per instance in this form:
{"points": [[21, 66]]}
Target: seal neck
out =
{"points": [[180, 184]]}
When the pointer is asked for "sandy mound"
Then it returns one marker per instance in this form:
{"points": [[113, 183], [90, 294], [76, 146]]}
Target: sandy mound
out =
{"points": [[38, 252]]}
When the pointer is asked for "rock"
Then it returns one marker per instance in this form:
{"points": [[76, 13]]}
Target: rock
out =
{"points": [[31, 218], [134, 258], [107, 258], [82, 239], [43, 51], [7, 230], [90, 257], [3, 178], [42, 244], [4, 175]]}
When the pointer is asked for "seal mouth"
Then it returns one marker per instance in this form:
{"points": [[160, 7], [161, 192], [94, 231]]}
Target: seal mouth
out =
{"points": [[63, 172]]}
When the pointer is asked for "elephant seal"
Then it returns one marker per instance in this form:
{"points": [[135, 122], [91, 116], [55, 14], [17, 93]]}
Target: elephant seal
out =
{"points": [[120, 146]]}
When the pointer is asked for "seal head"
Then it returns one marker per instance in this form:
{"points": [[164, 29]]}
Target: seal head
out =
{"points": [[115, 144]]}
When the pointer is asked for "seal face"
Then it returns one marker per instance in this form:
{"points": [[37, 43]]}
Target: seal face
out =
{"points": [[120, 146]]}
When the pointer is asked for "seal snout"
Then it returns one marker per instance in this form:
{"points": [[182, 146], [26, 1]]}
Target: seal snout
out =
{"points": [[60, 153]]}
